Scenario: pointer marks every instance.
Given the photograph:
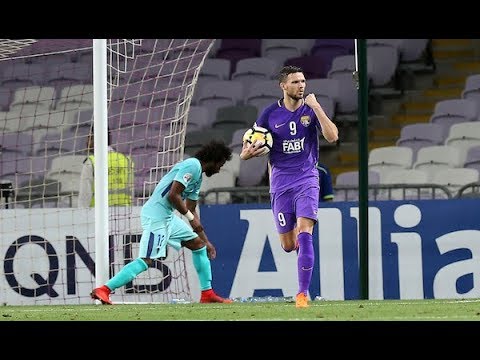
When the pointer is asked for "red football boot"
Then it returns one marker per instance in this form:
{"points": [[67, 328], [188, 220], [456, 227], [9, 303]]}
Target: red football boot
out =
{"points": [[209, 296], [102, 293]]}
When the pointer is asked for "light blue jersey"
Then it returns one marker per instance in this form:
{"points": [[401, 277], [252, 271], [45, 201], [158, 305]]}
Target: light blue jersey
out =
{"points": [[189, 173], [160, 225]]}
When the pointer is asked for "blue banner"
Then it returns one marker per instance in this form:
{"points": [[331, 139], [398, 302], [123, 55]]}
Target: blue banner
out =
{"points": [[417, 250]]}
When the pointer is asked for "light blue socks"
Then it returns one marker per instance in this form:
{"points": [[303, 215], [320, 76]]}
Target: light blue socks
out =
{"points": [[127, 274], [201, 262]]}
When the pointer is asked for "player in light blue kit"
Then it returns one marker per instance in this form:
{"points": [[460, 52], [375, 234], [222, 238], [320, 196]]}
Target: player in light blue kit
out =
{"points": [[294, 121], [178, 190]]}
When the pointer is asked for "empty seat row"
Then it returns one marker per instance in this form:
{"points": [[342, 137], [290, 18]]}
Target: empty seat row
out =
{"points": [[404, 184]]}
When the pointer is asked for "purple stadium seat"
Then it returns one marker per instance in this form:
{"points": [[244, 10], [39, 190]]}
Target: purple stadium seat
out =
{"points": [[237, 49], [17, 142], [454, 111], [5, 98], [385, 58], [416, 136], [314, 67], [19, 74], [412, 49], [217, 69], [473, 158], [60, 75], [471, 90], [328, 49]]}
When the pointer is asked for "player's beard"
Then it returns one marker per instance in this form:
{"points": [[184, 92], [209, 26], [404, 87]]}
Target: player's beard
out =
{"points": [[295, 97]]}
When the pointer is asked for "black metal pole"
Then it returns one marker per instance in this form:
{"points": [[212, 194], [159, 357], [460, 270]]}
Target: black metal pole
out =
{"points": [[363, 165]]}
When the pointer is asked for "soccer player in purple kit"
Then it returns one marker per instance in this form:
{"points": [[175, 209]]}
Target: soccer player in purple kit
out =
{"points": [[294, 122]]}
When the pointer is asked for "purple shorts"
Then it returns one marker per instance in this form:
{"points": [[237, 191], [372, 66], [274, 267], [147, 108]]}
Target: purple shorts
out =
{"points": [[293, 203]]}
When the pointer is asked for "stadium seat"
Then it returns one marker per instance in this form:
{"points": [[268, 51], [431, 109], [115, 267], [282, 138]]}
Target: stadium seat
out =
{"points": [[328, 49], [342, 69], [314, 67], [236, 143], [75, 97], [385, 58], [33, 100], [198, 118], [388, 158], [215, 69], [327, 92], [225, 178], [220, 93], [263, 93], [412, 50], [471, 90], [348, 179], [19, 74], [137, 93], [280, 50], [67, 169], [455, 178], [464, 135], [252, 171], [5, 98], [405, 177], [231, 118], [67, 74], [416, 136], [472, 160], [17, 142], [237, 49], [431, 159], [250, 70], [454, 111]]}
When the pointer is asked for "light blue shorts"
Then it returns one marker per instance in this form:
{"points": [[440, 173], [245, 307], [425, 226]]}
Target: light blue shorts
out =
{"points": [[157, 234]]}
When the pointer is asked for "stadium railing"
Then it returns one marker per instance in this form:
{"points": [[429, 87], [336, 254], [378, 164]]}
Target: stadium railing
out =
{"points": [[260, 194]]}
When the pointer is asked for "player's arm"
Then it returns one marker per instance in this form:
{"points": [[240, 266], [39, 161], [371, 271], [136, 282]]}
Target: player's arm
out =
{"points": [[196, 225], [192, 205], [175, 198], [329, 129]]}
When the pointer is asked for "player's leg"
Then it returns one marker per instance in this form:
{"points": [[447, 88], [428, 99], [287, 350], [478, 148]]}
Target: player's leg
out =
{"points": [[183, 235], [285, 221], [306, 207], [152, 246]]}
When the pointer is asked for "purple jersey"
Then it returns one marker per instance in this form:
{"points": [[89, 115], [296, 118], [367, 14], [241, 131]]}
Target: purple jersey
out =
{"points": [[294, 153]]}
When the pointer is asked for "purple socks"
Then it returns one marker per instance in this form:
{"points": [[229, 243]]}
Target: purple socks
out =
{"points": [[305, 261]]}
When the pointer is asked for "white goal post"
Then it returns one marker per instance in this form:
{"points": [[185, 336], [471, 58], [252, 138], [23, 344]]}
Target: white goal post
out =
{"points": [[137, 94]]}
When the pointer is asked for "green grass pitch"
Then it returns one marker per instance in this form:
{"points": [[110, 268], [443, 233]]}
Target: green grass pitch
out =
{"points": [[349, 310]]}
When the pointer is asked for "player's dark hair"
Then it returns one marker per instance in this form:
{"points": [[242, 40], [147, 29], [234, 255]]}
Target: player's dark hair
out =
{"points": [[287, 70], [215, 151]]}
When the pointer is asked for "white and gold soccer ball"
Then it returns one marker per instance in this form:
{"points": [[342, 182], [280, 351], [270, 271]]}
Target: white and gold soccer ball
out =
{"points": [[257, 133]]}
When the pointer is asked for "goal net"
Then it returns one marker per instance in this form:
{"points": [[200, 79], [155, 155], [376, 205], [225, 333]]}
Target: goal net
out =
{"points": [[46, 115]]}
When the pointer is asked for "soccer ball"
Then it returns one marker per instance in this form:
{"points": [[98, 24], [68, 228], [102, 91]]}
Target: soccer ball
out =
{"points": [[257, 133]]}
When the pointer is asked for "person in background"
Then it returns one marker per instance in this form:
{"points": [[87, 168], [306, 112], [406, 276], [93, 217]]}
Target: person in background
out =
{"points": [[326, 186], [120, 177], [178, 190]]}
